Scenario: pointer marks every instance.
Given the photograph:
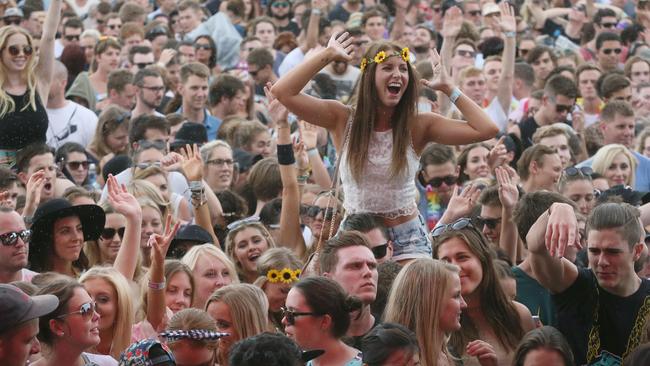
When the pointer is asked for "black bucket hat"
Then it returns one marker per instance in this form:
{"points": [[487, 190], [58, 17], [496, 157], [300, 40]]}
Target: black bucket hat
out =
{"points": [[92, 219]]}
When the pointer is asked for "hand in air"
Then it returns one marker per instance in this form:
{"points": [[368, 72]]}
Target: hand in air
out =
{"points": [[342, 45], [440, 80]]}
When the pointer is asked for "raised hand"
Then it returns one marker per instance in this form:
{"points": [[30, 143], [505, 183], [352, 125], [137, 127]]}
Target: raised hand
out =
{"points": [[401, 4], [309, 134], [33, 191], [497, 156], [440, 80], [166, 56], [160, 243], [172, 161], [121, 200], [483, 351], [508, 192], [508, 21], [5, 199], [278, 112], [452, 22], [341, 44], [300, 152], [561, 230], [192, 164], [461, 204]]}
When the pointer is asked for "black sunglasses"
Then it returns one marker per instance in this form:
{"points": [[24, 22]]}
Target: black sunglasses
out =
{"points": [[608, 25], [11, 238], [15, 50], [142, 65], [12, 21], [380, 250], [328, 212], [489, 222], [108, 233], [457, 225], [608, 51], [560, 108], [573, 171], [448, 180], [253, 73], [291, 315], [474, 13], [200, 46], [74, 165], [72, 38]]}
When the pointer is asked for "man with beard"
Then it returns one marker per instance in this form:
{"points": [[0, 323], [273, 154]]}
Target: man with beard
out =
{"points": [[150, 89], [280, 12], [344, 76], [343, 10], [425, 39]]}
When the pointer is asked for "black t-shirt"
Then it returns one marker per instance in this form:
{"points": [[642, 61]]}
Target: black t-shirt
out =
{"points": [[528, 127], [616, 315], [355, 341], [23, 127], [291, 27]]}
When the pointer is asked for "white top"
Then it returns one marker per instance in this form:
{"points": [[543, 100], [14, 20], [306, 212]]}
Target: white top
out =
{"points": [[101, 360], [72, 123], [377, 193]]}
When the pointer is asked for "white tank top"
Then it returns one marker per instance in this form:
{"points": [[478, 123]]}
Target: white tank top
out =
{"points": [[377, 193]]}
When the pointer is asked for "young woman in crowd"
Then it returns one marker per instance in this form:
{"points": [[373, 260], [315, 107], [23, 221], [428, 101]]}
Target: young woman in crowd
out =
{"points": [[25, 85], [317, 316], [111, 134], [616, 164], [473, 162], [252, 137], [157, 176], [383, 127], [190, 350], [489, 316], [70, 332], [391, 344], [112, 295], [211, 270], [219, 167], [72, 159], [278, 269], [247, 240], [545, 345], [576, 185], [240, 310], [206, 53], [104, 250]]}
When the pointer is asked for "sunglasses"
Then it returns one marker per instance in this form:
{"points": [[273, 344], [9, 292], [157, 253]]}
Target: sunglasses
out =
{"points": [[560, 108], [491, 223], [11, 238], [142, 65], [464, 53], [147, 165], [328, 212], [380, 250], [608, 25], [280, 4], [291, 315], [155, 32], [75, 165], [220, 162], [200, 46], [608, 51], [573, 171], [448, 180], [249, 220], [457, 225], [86, 310], [15, 50], [72, 38], [474, 13], [108, 233], [253, 73], [13, 21]]}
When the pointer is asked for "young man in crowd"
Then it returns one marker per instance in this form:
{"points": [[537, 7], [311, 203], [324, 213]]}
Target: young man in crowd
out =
{"points": [[375, 232], [194, 94], [14, 247], [226, 97], [149, 92], [436, 181], [120, 90]]}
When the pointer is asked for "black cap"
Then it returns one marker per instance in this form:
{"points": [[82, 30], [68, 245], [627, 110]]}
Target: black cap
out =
{"points": [[190, 133]]}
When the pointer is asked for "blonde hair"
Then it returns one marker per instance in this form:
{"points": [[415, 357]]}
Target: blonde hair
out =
{"points": [[606, 154], [248, 310], [207, 149], [423, 278], [191, 318], [209, 250], [278, 259], [230, 242], [7, 104], [125, 314], [148, 195], [171, 268], [149, 171]]}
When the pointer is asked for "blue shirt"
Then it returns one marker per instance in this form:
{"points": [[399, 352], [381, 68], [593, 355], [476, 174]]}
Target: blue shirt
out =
{"points": [[641, 176], [211, 123]]}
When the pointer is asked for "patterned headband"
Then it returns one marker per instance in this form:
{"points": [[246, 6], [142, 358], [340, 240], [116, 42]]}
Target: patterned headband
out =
{"points": [[381, 56], [194, 334]]}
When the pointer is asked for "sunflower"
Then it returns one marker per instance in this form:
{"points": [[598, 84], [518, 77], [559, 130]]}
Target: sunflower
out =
{"points": [[286, 276], [406, 54], [380, 57], [364, 63], [273, 275], [295, 274]]}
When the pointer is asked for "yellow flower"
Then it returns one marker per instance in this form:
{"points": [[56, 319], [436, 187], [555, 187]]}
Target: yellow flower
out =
{"points": [[295, 274], [406, 55], [364, 63], [380, 57], [273, 275], [286, 276]]}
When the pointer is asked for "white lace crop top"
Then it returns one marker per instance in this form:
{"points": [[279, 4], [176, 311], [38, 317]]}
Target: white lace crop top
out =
{"points": [[377, 193]]}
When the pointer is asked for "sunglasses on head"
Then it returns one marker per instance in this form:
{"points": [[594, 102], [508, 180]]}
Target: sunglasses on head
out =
{"points": [[491, 223], [561, 108], [449, 180], [108, 233], [11, 238], [457, 225], [380, 250], [201, 46], [27, 50], [291, 315], [281, 4], [608, 51], [327, 212], [249, 220], [75, 165], [86, 310], [573, 171]]}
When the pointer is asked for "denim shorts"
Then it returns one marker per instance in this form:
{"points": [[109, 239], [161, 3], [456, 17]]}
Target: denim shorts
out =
{"points": [[410, 240]]}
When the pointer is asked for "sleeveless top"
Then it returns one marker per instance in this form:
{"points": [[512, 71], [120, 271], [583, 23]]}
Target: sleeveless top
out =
{"points": [[376, 192], [23, 127]]}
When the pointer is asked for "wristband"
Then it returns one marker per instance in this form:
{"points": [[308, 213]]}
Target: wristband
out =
{"points": [[510, 34], [157, 285], [313, 152], [316, 11], [455, 94], [285, 154]]}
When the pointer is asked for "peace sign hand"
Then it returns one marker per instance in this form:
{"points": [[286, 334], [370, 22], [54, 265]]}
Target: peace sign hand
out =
{"points": [[161, 243]]}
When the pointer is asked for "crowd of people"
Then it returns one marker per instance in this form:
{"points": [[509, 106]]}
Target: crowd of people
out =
{"points": [[324, 183]]}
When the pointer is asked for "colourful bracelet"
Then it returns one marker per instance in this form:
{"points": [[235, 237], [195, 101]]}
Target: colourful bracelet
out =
{"points": [[157, 285]]}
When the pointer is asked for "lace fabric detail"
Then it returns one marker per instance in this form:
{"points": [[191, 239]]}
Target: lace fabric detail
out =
{"points": [[377, 193]]}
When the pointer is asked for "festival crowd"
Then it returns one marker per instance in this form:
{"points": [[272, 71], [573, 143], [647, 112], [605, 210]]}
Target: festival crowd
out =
{"points": [[324, 182]]}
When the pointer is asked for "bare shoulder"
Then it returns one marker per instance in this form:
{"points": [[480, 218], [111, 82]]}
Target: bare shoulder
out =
{"points": [[525, 317]]}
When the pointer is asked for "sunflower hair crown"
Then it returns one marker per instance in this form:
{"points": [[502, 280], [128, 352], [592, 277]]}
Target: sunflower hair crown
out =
{"points": [[284, 275], [381, 56]]}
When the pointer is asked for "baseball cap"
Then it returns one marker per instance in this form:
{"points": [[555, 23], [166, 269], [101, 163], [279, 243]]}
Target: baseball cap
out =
{"points": [[17, 307], [490, 8], [13, 12]]}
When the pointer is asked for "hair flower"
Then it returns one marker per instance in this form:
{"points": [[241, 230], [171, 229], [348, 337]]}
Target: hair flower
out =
{"points": [[406, 54], [295, 274], [380, 57], [273, 275], [286, 276], [364, 63]]}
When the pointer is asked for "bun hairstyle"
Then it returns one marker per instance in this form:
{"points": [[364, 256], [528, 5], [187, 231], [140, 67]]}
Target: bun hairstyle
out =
{"points": [[326, 297]]}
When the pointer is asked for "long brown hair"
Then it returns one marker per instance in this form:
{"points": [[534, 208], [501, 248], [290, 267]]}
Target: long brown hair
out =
{"points": [[499, 312], [365, 116]]}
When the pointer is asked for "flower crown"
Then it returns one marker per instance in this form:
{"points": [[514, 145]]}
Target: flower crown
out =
{"points": [[284, 275], [381, 56]]}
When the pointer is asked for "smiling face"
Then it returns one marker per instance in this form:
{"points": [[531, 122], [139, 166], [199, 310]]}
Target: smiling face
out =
{"points": [[249, 244], [619, 171], [104, 294], [13, 258], [81, 331], [68, 238], [108, 247], [457, 252], [477, 163], [19, 62], [391, 80], [218, 170]]}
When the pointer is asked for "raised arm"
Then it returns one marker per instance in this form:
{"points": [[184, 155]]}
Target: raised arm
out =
{"points": [[509, 28], [45, 66], [326, 113], [319, 172], [401, 6], [508, 196], [124, 203], [547, 240], [312, 31]]}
